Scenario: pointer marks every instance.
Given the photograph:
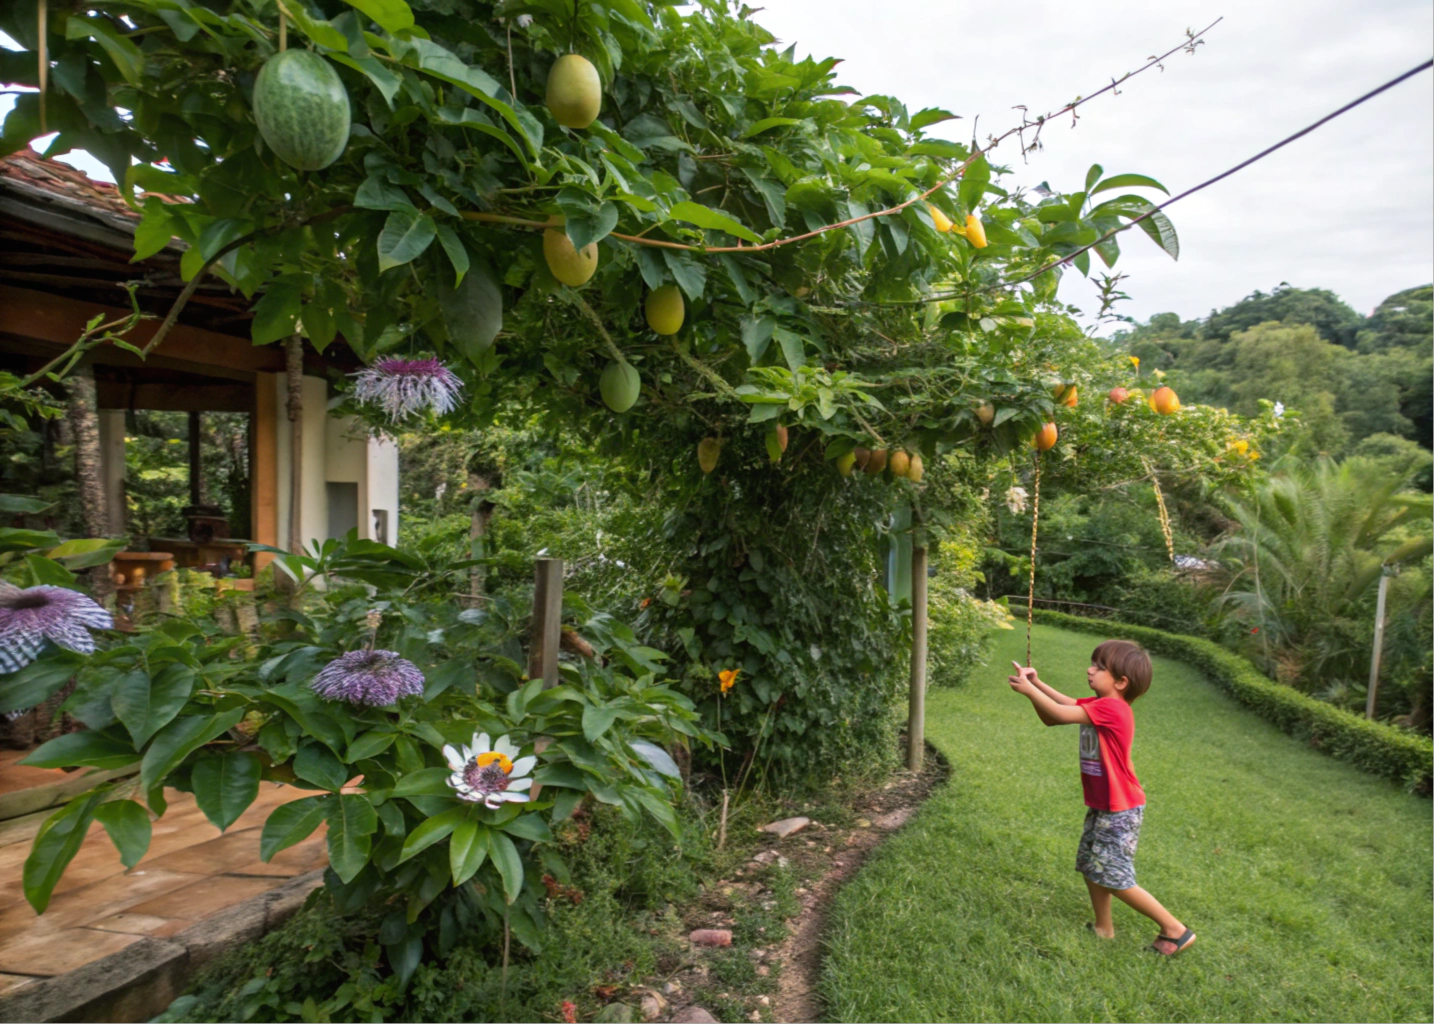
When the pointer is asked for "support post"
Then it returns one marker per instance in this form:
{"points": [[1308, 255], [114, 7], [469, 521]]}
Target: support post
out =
{"points": [[916, 722], [294, 375], [1373, 696], [89, 472], [547, 629], [478, 485], [196, 466]]}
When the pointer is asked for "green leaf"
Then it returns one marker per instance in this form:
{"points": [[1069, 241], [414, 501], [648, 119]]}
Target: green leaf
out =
{"points": [[712, 220], [793, 348], [178, 740], [1093, 175], [352, 822], [12, 539], [289, 824], [377, 193], [456, 250], [424, 782], [154, 232], [1162, 232], [145, 704], [55, 846], [316, 763], [126, 56], [592, 225], [405, 236], [277, 311], [467, 850], [1127, 181], [973, 183], [931, 115], [225, 786], [370, 744], [431, 831], [509, 864], [93, 749], [392, 16], [770, 122], [48, 572], [129, 828], [86, 552], [23, 504], [384, 80], [756, 336], [531, 827], [597, 719], [659, 759]]}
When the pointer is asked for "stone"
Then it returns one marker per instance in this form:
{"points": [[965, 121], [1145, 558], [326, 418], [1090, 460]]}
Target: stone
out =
{"points": [[693, 1015], [711, 937], [895, 819], [764, 1000], [653, 1006], [763, 970], [615, 1013], [786, 827], [863, 823], [672, 988]]}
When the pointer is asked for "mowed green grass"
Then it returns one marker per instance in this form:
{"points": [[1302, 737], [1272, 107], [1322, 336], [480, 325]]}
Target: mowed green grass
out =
{"points": [[1307, 881]]}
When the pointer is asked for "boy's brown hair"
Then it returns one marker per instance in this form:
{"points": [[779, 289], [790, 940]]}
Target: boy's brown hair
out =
{"points": [[1125, 659]]}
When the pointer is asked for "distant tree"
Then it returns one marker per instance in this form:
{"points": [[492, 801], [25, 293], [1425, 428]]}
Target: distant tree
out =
{"points": [[1404, 320], [1323, 310]]}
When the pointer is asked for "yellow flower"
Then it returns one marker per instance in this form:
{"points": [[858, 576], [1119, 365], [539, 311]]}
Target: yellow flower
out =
{"points": [[975, 231], [1241, 446], [1135, 361], [938, 217], [494, 757], [729, 678]]}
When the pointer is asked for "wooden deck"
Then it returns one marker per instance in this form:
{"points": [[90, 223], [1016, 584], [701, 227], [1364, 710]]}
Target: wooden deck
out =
{"points": [[190, 872]]}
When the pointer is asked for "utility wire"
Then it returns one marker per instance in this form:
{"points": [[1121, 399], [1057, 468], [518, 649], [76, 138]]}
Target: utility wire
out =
{"points": [[1175, 199]]}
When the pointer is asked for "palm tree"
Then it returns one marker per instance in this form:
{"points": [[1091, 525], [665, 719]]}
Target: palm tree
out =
{"points": [[1301, 562]]}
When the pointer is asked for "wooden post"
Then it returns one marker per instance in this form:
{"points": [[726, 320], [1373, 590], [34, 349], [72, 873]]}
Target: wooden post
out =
{"points": [[916, 722], [294, 374], [1378, 643], [547, 630], [89, 473], [196, 466], [478, 485]]}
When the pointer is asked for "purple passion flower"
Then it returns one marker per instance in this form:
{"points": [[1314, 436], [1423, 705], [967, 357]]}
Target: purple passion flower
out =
{"points": [[403, 387], [33, 615], [375, 679]]}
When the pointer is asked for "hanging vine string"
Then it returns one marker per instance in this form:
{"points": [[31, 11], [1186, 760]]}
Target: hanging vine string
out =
{"points": [[1035, 526], [1164, 512]]}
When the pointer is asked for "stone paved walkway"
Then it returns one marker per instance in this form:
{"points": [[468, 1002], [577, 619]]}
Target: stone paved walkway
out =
{"points": [[190, 872]]}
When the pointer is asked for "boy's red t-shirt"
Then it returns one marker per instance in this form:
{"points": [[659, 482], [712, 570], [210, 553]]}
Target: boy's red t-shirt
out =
{"points": [[1106, 774]]}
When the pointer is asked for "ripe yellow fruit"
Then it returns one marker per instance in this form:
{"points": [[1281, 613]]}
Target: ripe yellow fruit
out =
{"points": [[900, 463], [571, 267], [986, 412], [1118, 395], [707, 451], [943, 223], [862, 457], [876, 463], [1046, 438], [917, 469], [1066, 395], [846, 463], [782, 436], [975, 231], [574, 91], [1165, 401], [665, 309]]}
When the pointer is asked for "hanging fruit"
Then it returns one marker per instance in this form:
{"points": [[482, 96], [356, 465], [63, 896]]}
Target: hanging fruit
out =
{"points": [[775, 447], [620, 385], [846, 463], [574, 91], [917, 469], [302, 109], [1046, 438], [900, 463], [665, 309], [975, 231], [1165, 401], [571, 267], [707, 451], [1066, 395], [876, 462], [1118, 395], [938, 217], [861, 456], [985, 412]]}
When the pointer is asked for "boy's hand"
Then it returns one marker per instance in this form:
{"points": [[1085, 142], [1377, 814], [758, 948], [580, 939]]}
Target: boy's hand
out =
{"points": [[1024, 679]]}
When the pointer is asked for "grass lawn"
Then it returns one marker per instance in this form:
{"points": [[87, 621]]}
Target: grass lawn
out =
{"points": [[1307, 881]]}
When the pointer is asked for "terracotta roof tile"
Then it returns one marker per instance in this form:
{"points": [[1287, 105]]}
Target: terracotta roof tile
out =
{"points": [[28, 168]]}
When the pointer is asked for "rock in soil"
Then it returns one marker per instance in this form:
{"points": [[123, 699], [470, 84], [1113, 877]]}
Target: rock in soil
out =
{"points": [[711, 937], [615, 1013], [786, 827], [693, 1015]]}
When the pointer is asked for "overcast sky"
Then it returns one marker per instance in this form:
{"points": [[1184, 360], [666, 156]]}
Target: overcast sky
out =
{"points": [[1349, 208]]}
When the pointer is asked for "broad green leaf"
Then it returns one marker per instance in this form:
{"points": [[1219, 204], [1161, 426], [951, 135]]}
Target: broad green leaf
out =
{"points": [[424, 782], [931, 115], [770, 122], [145, 704], [659, 759], [154, 232], [129, 828], [383, 79], [316, 763], [392, 16], [509, 864], [89, 748], [126, 56], [277, 312], [431, 831], [1162, 232], [86, 552], [291, 823], [370, 744], [377, 193], [793, 348], [467, 850], [12, 539], [756, 336], [24, 504], [713, 220], [1127, 181], [352, 822], [225, 786], [1093, 175], [597, 719], [48, 572], [55, 846], [405, 236], [973, 183], [531, 827], [456, 250], [178, 740]]}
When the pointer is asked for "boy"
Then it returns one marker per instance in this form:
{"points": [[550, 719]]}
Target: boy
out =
{"points": [[1119, 673]]}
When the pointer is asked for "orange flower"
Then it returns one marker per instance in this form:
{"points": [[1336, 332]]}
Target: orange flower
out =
{"points": [[645, 602], [729, 678]]}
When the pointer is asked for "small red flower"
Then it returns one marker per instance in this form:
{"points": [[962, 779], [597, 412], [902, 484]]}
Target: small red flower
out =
{"points": [[570, 1012], [1255, 630]]}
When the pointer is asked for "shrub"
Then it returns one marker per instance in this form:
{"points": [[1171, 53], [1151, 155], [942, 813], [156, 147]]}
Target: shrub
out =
{"points": [[959, 630], [1372, 746]]}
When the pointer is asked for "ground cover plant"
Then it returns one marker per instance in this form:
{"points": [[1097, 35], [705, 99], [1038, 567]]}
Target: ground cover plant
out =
{"points": [[1307, 881]]}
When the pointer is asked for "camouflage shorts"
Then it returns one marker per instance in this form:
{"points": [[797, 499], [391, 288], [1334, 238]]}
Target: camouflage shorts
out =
{"points": [[1106, 854]]}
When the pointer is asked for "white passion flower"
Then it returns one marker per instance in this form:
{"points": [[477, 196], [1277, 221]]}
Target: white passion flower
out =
{"points": [[490, 773]]}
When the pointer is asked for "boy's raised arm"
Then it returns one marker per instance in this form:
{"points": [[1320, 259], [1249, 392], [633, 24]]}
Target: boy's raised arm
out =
{"points": [[1049, 691], [1049, 711]]}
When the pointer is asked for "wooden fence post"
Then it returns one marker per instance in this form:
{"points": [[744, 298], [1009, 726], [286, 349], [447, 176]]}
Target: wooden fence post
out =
{"points": [[916, 722], [1373, 695], [547, 630]]}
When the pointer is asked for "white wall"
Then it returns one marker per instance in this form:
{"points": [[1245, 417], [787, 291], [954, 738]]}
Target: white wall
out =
{"points": [[314, 502], [382, 489]]}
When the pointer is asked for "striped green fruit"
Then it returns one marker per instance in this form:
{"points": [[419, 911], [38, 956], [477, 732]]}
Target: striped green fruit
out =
{"points": [[302, 109], [620, 386]]}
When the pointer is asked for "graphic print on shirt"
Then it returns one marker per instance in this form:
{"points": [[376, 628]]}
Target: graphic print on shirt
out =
{"points": [[1090, 751]]}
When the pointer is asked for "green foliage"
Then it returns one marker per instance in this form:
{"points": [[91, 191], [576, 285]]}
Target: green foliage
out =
{"points": [[1306, 879], [1374, 747]]}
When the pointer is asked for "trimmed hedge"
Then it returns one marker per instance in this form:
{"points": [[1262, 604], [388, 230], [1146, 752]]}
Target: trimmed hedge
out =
{"points": [[1372, 746]]}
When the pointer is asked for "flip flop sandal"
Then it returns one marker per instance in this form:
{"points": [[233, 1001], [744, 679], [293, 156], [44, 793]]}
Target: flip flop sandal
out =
{"points": [[1090, 927], [1185, 940]]}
